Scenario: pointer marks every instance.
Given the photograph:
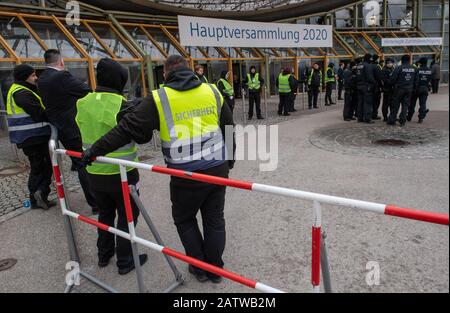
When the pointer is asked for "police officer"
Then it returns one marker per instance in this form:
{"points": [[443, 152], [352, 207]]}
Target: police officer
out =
{"points": [[285, 83], [314, 83], [421, 89], [181, 104], [200, 72], [403, 81], [387, 72], [365, 81], [330, 81], [377, 73], [226, 89], [97, 114], [355, 87], [253, 82], [29, 130], [349, 81]]}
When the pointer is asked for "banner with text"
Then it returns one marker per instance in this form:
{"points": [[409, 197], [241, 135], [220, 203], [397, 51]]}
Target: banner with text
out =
{"points": [[421, 41], [209, 32]]}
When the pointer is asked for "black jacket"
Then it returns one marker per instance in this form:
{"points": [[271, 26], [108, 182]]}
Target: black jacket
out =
{"points": [[245, 82], [349, 80], [423, 77], [315, 79], [387, 73], [365, 74], [60, 91], [31, 105], [139, 124], [404, 76]]}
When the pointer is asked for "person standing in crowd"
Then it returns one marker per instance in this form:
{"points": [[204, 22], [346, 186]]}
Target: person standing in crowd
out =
{"points": [[403, 81], [366, 83], [29, 130], [294, 91], [435, 76], [340, 75], [200, 72], [226, 89], [349, 81], [330, 82], [387, 72], [285, 84], [183, 95], [60, 92], [421, 88], [355, 87], [97, 114], [253, 82], [314, 83], [377, 74]]}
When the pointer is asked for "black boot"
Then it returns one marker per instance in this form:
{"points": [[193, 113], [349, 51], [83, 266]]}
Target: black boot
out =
{"points": [[40, 202], [199, 274], [126, 269]]}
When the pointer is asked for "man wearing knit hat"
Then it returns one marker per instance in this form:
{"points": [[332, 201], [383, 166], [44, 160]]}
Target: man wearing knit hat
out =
{"points": [[29, 130]]}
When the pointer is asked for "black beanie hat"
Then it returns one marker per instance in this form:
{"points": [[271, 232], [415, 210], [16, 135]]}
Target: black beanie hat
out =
{"points": [[406, 58], [111, 74], [423, 61], [367, 57], [22, 72]]}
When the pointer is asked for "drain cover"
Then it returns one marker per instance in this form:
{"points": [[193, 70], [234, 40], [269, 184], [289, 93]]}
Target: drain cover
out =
{"points": [[391, 142], [7, 264]]}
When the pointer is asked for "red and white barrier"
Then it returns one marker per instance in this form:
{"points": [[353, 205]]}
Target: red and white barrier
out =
{"points": [[431, 217]]}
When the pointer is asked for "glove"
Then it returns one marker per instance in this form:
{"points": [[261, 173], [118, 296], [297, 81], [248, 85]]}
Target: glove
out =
{"points": [[86, 158]]}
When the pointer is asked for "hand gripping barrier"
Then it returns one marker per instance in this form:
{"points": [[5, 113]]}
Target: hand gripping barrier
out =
{"points": [[318, 246]]}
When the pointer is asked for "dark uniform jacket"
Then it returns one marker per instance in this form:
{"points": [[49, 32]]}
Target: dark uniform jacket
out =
{"points": [[423, 77], [365, 75], [387, 73], [315, 80], [349, 80], [404, 76], [378, 75]]}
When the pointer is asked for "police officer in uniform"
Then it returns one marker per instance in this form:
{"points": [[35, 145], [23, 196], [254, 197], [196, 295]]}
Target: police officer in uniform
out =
{"points": [[254, 81], [365, 81], [403, 81], [181, 104], [29, 130], [349, 81], [377, 73], [387, 72], [421, 89], [226, 89], [314, 84], [97, 114], [330, 81]]}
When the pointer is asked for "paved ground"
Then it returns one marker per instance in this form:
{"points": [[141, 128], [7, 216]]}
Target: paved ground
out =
{"points": [[268, 238]]}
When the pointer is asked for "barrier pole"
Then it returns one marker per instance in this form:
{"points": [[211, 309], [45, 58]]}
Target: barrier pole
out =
{"points": [[325, 265], [265, 100], [131, 230], [243, 104], [315, 255]]}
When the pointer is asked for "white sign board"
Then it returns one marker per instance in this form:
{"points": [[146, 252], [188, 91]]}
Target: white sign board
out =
{"points": [[421, 41], [209, 32]]}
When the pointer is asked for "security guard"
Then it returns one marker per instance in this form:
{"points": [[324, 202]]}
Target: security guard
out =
{"points": [[29, 130], [403, 81], [422, 86], [349, 81], [330, 81], [314, 84], [97, 114], [226, 89], [285, 84], [377, 74], [365, 83], [191, 119], [387, 72], [200, 72], [254, 81]]}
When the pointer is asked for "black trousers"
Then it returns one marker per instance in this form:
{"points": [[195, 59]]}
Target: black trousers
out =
{"points": [[435, 85], [349, 105], [230, 103], [313, 95], [254, 99], [283, 106], [292, 102], [40, 176], [422, 95], [401, 97], [365, 106], [328, 92], [376, 102], [111, 204], [340, 88], [387, 103], [188, 197]]}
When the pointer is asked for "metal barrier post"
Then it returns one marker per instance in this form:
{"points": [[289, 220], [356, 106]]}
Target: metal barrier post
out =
{"points": [[131, 230], [315, 259], [265, 101], [325, 265], [243, 106], [178, 277]]}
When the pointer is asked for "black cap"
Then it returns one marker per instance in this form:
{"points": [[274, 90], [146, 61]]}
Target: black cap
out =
{"points": [[111, 74], [390, 60], [423, 61], [367, 57], [22, 72], [375, 57], [406, 58]]}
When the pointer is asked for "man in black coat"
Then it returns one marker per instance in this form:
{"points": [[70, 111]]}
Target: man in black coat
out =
{"points": [[365, 81], [60, 92]]}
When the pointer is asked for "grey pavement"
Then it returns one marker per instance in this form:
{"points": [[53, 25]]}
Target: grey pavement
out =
{"points": [[268, 237]]}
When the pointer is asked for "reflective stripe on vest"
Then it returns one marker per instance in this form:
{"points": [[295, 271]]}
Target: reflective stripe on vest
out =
{"points": [[191, 138], [20, 125], [283, 83], [96, 116], [253, 83], [310, 75], [228, 89], [330, 79]]}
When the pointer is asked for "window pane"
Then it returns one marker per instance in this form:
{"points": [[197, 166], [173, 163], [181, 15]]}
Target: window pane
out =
{"points": [[163, 41], [145, 43], [3, 53], [109, 37], [88, 41], [20, 39]]}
